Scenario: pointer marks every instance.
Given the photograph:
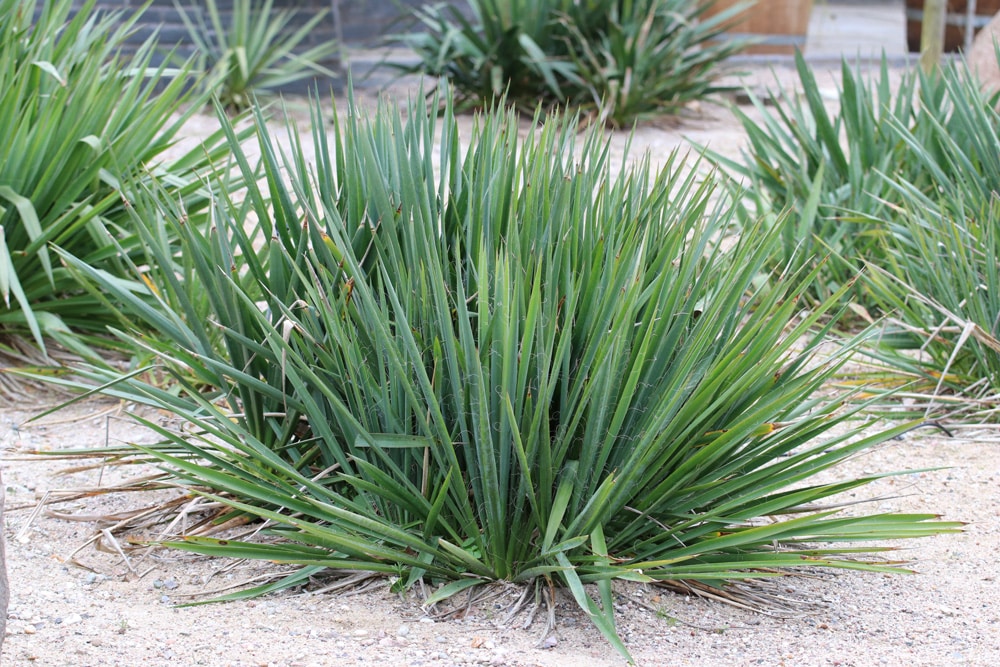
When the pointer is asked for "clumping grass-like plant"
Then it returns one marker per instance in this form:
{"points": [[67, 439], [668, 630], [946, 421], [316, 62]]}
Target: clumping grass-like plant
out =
{"points": [[622, 61], [503, 363], [829, 168], [901, 179], [839, 171], [941, 280], [76, 117], [254, 50], [941, 292]]}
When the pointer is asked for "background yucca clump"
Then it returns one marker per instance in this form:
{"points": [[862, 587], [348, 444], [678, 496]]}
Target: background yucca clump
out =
{"points": [[507, 362], [78, 118], [941, 281], [254, 50], [620, 61], [831, 168], [899, 180]]}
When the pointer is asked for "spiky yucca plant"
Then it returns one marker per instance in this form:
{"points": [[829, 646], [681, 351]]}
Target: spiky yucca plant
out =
{"points": [[508, 362], [78, 117], [940, 282], [254, 49], [829, 167], [622, 61]]}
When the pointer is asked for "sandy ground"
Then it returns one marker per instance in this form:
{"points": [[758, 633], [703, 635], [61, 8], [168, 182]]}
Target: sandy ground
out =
{"points": [[78, 602]]}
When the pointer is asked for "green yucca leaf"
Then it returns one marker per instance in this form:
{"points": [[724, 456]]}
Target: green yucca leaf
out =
{"points": [[939, 282], [829, 168]]}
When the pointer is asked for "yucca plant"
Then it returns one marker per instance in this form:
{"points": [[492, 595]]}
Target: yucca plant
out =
{"points": [[940, 291], [622, 60], [941, 282], [508, 363], [648, 58], [254, 49], [506, 45], [830, 168], [77, 116]]}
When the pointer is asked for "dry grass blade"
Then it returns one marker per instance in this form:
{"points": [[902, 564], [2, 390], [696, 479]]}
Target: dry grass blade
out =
{"points": [[763, 596], [18, 354], [352, 583], [54, 496], [110, 544]]}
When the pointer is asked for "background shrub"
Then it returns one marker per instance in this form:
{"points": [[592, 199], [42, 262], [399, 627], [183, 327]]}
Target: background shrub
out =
{"points": [[253, 50], [901, 179], [621, 60], [76, 117], [941, 280], [829, 168]]}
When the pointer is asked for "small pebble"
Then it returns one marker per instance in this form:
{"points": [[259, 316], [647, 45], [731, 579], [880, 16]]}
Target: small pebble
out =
{"points": [[403, 630], [549, 642]]}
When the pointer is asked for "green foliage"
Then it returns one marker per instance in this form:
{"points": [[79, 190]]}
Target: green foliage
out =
{"points": [[902, 179], [76, 116], [828, 168], [941, 288], [622, 59], [941, 282], [508, 363], [254, 49]]}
